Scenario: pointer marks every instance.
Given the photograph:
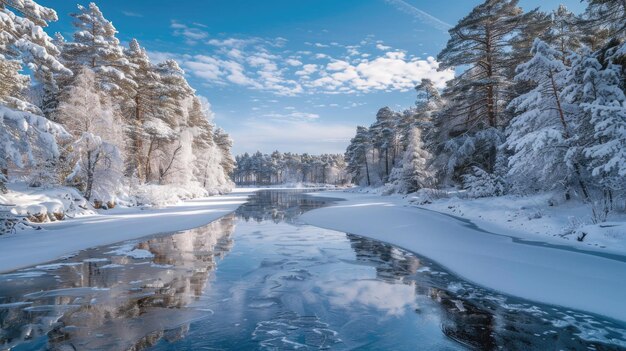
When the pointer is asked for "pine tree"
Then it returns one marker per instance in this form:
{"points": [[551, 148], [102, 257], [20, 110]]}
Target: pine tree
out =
{"points": [[469, 127], [540, 135], [164, 126], [608, 116], [415, 172], [224, 144], [24, 42], [384, 137], [96, 46], [143, 104], [96, 151], [607, 15], [481, 41], [356, 156], [564, 33]]}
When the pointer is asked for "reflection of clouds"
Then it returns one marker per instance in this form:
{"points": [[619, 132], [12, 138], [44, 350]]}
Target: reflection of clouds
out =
{"points": [[393, 299]]}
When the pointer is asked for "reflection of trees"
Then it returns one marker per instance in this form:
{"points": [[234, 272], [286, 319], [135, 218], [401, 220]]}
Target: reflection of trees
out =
{"points": [[277, 206], [469, 325], [470, 317], [143, 303]]}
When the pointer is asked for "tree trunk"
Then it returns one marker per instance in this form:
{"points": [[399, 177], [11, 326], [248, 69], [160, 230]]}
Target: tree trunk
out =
{"points": [[566, 135], [148, 167], [367, 172], [137, 140]]}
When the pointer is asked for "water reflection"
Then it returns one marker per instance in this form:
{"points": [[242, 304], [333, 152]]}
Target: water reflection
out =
{"points": [[280, 285], [106, 301], [278, 206]]}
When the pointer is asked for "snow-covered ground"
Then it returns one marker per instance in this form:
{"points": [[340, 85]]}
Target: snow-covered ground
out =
{"points": [[56, 239], [534, 218], [515, 262]]}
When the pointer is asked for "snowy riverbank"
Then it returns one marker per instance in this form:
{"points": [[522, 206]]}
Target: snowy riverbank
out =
{"points": [[584, 278], [56, 239]]}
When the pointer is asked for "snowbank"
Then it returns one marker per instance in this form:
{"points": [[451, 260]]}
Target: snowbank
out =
{"points": [[44, 204], [538, 217], [56, 239], [555, 274]]}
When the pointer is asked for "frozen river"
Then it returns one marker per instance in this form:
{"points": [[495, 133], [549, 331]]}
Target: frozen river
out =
{"points": [[260, 279]]}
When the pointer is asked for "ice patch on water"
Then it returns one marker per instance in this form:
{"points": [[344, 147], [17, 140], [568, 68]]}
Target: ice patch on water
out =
{"points": [[111, 265], [130, 251], [54, 266], [290, 331], [23, 275], [14, 304]]}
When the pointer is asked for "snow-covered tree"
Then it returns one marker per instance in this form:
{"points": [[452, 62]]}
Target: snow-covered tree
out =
{"points": [[540, 135], [96, 46], [224, 144], [356, 156], [384, 138], [481, 41], [606, 14], [144, 105], [479, 183], [475, 111], [96, 152], [23, 42], [163, 127], [608, 117], [26, 139], [564, 33], [415, 172]]}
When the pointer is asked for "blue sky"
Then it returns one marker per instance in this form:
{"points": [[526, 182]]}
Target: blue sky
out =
{"points": [[294, 75]]}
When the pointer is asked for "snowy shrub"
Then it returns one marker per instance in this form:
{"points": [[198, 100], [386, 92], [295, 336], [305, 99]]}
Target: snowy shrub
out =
{"points": [[429, 195], [164, 195], [599, 212], [480, 183]]}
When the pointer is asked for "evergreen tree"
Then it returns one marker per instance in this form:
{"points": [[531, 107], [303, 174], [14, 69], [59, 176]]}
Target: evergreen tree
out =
{"points": [[96, 46], [469, 127], [540, 135], [564, 33], [608, 116], [24, 43], [415, 172], [356, 156], [96, 151]]}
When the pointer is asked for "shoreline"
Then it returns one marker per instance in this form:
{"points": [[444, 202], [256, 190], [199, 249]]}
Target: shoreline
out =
{"points": [[546, 274], [57, 239]]}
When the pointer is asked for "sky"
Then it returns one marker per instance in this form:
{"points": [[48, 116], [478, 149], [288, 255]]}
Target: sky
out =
{"points": [[289, 75]]}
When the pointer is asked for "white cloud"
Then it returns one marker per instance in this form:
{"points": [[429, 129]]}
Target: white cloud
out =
{"points": [[293, 62], [393, 71], [131, 14], [191, 34], [307, 69], [230, 42], [293, 116], [257, 64]]}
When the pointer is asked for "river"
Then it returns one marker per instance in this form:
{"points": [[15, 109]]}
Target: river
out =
{"points": [[261, 279]]}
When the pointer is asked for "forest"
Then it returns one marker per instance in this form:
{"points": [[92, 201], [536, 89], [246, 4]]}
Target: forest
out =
{"points": [[292, 168], [91, 114], [539, 106]]}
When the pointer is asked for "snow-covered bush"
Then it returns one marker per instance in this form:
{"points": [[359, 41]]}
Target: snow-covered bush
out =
{"points": [[170, 194], [480, 183], [430, 195], [26, 139], [96, 152]]}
